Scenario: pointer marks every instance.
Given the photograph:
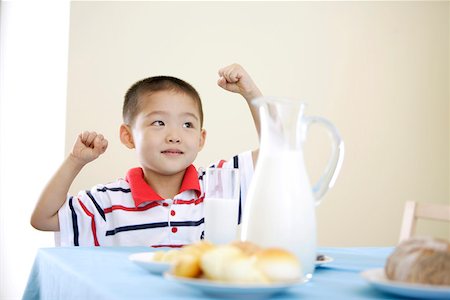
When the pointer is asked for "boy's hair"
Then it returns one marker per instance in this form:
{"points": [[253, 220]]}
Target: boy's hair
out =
{"points": [[131, 105]]}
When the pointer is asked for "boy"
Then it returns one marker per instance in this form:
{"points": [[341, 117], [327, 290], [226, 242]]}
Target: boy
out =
{"points": [[160, 203]]}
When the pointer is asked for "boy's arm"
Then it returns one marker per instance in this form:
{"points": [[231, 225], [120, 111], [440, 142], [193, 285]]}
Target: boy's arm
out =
{"points": [[235, 79], [88, 146]]}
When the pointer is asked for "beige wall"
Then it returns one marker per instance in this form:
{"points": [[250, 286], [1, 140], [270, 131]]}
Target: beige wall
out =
{"points": [[378, 71]]}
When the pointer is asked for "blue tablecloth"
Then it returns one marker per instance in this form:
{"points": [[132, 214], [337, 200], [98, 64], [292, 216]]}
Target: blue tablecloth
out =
{"points": [[107, 273]]}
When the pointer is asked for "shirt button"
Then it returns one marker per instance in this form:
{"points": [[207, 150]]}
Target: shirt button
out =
{"points": [[174, 229], [172, 213]]}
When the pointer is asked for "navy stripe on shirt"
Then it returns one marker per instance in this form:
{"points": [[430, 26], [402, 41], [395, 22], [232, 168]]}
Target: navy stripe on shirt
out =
{"points": [[74, 223], [236, 166], [154, 225], [188, 223], [97, 206], [136, 227], [116, 189]]}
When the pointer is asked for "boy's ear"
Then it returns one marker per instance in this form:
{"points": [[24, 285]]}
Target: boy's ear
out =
{"points": [[202, 139], [126, 137]]}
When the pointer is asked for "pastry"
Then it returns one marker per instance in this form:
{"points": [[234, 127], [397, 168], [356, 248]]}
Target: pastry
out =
{"points": [[423, 260]]}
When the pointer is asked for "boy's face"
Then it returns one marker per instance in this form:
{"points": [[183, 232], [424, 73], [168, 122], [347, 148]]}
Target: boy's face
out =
{"points": [[167, 133]]}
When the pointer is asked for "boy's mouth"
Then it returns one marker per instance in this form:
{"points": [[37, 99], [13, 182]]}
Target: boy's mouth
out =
{"points": [[172, 152]]}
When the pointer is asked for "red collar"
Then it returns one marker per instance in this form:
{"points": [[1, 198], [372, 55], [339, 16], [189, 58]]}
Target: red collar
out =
{"points": [[142, 192]]}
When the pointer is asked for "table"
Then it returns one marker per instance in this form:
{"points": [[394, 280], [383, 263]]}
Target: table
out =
{"points": [[107, 273]]}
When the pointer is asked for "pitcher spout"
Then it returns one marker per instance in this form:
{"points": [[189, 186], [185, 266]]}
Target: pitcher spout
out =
{"points": [[281, 121]]}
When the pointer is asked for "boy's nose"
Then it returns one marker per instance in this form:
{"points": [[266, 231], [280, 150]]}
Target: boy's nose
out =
{"points": [[172, 135], [174, 140]]}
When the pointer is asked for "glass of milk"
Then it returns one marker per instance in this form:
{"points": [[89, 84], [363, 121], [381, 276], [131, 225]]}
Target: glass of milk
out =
{"points": [[221, 205]]}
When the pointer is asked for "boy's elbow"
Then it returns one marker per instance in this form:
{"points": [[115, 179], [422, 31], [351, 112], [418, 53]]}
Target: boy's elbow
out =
{"points": [[35, 223], [43, 224]]}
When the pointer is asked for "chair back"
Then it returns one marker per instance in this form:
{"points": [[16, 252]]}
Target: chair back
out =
{"points": [[414, 210]]}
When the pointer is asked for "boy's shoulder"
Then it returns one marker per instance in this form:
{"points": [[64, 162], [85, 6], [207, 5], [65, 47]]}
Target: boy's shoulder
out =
{"points": [[105, 195], [120, 185]]}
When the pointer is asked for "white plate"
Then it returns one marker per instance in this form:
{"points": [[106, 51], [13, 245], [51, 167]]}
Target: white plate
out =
{"points": [[325, 260], [378, 279], [230, 290], [145, 260]]}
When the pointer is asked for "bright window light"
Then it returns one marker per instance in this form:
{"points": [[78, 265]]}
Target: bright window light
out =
{"points": [[33, 80]]}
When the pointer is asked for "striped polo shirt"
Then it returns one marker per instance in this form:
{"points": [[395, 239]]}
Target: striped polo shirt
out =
{"points": [[128, 212]]}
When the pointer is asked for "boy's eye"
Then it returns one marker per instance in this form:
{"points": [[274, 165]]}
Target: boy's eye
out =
{"points": [[188, 125], [157, 123]]}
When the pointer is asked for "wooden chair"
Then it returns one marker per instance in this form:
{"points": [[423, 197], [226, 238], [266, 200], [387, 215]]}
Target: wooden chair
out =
{"points": [[414, 210]]}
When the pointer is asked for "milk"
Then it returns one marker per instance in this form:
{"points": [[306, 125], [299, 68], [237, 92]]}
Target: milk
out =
{"points": [[221, 218], [280, 208]]}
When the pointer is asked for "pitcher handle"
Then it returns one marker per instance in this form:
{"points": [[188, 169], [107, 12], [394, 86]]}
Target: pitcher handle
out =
{"points": [[327, 180]]}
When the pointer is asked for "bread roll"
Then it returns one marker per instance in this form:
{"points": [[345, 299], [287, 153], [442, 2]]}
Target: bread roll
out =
{"points": [[187, 259], [231, 264], [166, 256], [238, 262], [197, 248], [420, 260], [278, 265], [187, 265], [248, 248], [213, 262], [243, 269]]}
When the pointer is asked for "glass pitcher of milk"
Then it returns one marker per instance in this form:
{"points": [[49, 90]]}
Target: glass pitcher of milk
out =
{"points": [[280, 204]]}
